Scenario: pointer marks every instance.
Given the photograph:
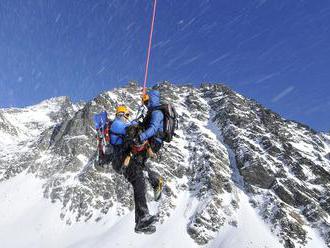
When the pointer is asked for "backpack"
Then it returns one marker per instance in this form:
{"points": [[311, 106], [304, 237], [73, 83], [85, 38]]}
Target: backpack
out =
{"points": [[102, 126], [170, 121]]}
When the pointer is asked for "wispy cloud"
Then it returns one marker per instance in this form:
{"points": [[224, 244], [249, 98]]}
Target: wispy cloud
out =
{"points": [[283, 94], [324, 106], [219, 58], [191, 60], [260, 3], [266, 77]]}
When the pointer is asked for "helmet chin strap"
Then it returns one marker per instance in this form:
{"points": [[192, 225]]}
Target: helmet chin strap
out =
{"points": [[120, 115]]}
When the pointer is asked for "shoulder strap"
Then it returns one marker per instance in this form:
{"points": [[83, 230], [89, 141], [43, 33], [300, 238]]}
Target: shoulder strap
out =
{"points": [[117, 134], [147, 119]]}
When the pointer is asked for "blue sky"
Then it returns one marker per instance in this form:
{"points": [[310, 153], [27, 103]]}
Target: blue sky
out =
{"points": [[276, 52]]}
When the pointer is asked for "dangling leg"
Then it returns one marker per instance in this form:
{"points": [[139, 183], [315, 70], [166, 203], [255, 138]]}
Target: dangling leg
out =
{"points": [[153, 177], [134, 175], [156, 181], [143, 219]]}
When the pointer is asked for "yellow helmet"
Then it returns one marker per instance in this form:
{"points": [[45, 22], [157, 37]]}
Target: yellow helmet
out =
{"points": [[122, 109]]}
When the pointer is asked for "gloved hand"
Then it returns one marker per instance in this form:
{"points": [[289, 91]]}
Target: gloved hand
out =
{"points": [[137, 141]]}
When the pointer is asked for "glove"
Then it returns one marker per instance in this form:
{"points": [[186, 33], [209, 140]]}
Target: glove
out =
{"points": [[137, 141]]}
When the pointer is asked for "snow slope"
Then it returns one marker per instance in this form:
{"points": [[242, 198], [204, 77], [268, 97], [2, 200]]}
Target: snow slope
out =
{"points": [[29, 220]]}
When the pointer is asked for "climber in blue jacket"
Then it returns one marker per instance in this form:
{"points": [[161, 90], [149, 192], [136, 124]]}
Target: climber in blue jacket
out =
{"points": [[153, 125], [154, 120], [119, 125]]}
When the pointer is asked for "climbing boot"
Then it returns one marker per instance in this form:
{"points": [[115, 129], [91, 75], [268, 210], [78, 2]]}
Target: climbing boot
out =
{"points": [[159, 189], [144, 225]]}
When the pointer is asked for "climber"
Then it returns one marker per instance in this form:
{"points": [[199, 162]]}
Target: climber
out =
{"points": [[153, 125], [117, 135], [133, 172]]}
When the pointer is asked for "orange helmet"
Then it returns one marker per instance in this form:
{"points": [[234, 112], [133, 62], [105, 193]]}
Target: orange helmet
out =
{"points": [[145, 98]]}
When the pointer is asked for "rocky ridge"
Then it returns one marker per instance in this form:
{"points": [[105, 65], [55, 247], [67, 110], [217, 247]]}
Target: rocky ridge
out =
{"points": [[226, 143]]}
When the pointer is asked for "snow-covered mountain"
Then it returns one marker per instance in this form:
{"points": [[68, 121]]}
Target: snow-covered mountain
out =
{"points": [[237, 174]]}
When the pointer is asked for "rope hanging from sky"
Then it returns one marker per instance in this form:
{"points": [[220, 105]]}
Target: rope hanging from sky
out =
{"points": [[149, 47]]}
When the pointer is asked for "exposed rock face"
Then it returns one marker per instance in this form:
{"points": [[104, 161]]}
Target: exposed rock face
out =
{"points": [[28, 141], [225, 143], [283, 163], [6, 127]]}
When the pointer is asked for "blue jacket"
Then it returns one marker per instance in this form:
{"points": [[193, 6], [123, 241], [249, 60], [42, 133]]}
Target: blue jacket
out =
{"points": [[118, 130], [157, 118]]}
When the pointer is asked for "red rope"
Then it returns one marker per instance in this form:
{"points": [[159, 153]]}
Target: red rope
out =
{"points": [[149, 47]]}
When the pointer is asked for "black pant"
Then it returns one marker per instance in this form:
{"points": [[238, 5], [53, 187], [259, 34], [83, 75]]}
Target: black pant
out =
{"points": [[155, 145], [134, 174], [153, 177]]}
